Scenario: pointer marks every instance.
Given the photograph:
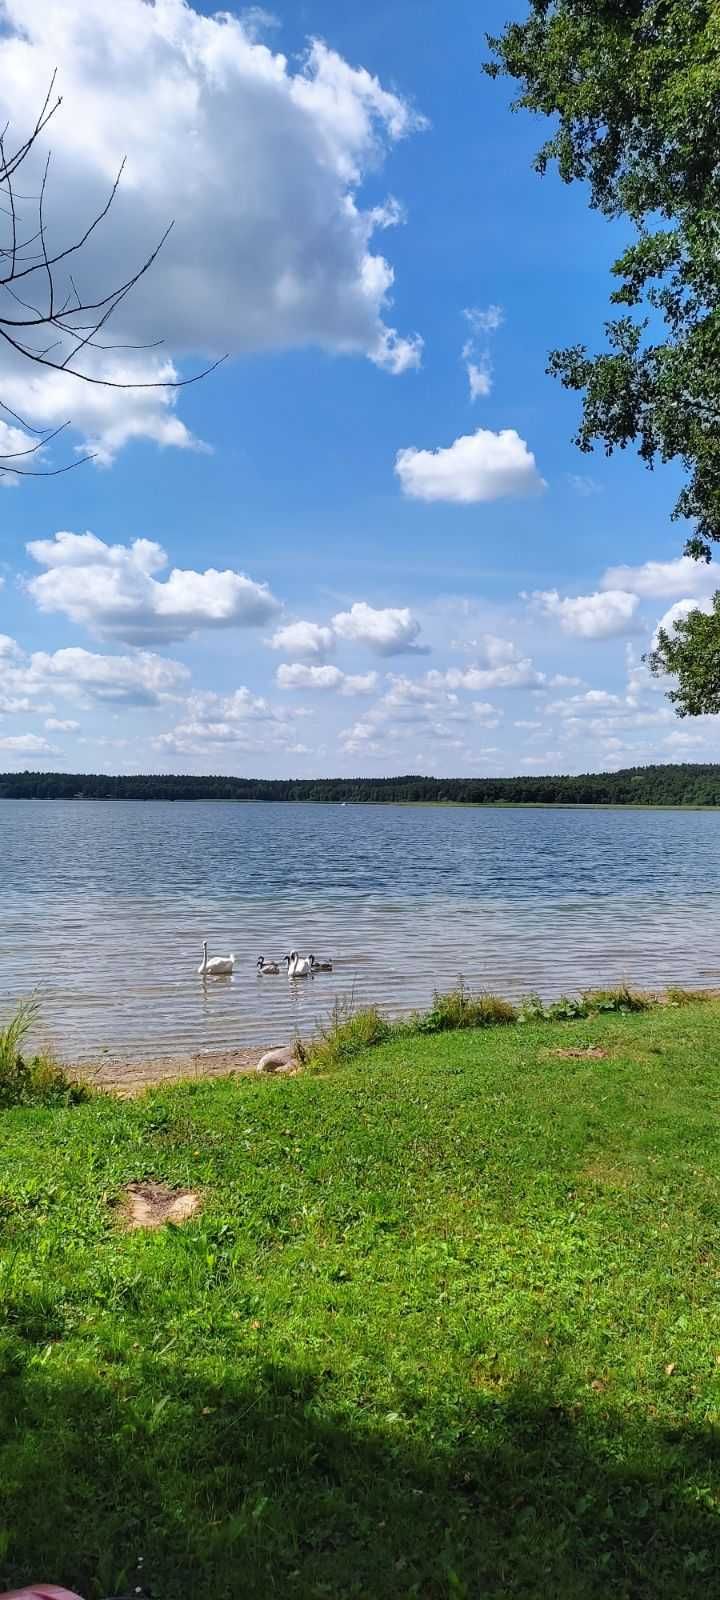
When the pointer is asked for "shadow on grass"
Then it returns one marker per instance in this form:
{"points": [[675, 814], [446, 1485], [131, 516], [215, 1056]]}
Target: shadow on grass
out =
{"points": [[225, 1491]]}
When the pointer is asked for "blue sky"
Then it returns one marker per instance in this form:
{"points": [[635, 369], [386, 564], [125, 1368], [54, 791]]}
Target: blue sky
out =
{"points": [[453, 560]]}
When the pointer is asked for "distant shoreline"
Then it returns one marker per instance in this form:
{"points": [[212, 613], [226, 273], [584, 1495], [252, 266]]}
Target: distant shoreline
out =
{"points": [[381, 805], [682, 785]]}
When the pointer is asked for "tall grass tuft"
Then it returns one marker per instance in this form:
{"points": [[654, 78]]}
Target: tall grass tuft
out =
{"points": [[459, 1008], [621, 999], [36, 1080], [346, 1034]]}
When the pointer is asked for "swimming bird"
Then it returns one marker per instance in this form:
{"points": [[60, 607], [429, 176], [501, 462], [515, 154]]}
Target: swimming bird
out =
{"points": [[217, 966], [267, 968], [298, 966], [320, 966]]}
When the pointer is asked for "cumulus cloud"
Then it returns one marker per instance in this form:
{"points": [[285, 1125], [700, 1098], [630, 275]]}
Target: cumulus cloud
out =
{"points": [[663, 579], [520, 674], [607, 615], [61, 725], [297, 675], [241, 720], [259, 162], [306, 641], [113, 590], [142, 679], [479, 466], [27, 744], [389, 631]]}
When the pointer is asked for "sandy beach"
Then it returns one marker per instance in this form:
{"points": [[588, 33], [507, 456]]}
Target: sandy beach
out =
{"points": [[127, 1077]]}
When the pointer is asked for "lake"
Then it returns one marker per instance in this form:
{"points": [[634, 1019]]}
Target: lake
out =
{"points": [[105, 906]]}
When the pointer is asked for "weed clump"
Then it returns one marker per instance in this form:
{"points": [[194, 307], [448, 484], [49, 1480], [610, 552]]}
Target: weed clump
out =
{"points": [[458, 1008], [346, 1034], [36, 1080], [622, 999]]}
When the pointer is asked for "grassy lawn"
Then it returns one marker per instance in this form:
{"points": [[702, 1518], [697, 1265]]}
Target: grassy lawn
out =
{"points": [[447, 1324]]}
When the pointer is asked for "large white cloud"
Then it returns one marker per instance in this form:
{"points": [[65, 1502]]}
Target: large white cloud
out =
{"points": [[298, 675], [390, 631], [258, 161], [143, 679], [479, 466], [113, 591], [606, 615], [661, 579]]}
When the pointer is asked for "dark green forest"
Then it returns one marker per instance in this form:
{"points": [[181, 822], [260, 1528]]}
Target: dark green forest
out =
{"points": [[684, 784]]}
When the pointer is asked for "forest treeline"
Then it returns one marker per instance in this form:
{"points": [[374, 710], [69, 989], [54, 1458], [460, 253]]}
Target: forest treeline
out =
{"points": [[677, 785]]}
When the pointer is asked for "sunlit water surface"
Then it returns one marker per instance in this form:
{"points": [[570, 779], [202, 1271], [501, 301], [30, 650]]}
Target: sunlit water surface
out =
{"points": [[105, 905]]}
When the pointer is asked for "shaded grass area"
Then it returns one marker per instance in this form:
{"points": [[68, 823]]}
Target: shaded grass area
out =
{"points": [[447, 1324]]}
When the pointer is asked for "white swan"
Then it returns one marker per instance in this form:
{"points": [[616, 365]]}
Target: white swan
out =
{"points": [[320, 966], [267, 968], [217, 966], [298, 966]]}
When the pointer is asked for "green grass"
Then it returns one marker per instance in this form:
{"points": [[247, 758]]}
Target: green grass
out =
{"points": [[448, 1324], [35, 1080]]}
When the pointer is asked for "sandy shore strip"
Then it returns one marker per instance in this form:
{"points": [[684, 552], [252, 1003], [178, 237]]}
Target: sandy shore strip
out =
{"points": [[126, 1077]]}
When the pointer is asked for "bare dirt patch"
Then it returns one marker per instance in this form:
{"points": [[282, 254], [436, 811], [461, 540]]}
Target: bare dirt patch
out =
{"points": [[152, 1205], [127, 1077], [592, 1053]]}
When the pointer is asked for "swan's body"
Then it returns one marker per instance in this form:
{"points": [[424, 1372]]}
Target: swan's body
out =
{"points": [[298, 966], [267, 968], [217, 966], [320, 966]]}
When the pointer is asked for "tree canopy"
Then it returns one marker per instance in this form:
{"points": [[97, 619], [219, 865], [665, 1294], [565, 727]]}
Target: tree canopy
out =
{"points": [[634, 87], [684, 784]]}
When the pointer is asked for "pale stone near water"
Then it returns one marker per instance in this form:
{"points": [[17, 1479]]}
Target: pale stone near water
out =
{"points": [[279, 1060]]}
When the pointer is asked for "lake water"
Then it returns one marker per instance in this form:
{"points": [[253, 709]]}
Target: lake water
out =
{"points": [[105, 906]]}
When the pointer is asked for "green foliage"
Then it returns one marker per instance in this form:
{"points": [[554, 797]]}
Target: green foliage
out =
{"points": [[347, 1033], [458, 1008], [635, 91], [679, 784], [38, 1081], [690, 653], [622, 999], [446, 1325]]}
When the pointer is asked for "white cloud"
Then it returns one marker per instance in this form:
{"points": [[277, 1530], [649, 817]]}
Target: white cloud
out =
{"points": [[259, 162], [27, 744], [683, 741], [297, 675], [664, 578], [586, 487], [390, 631], [8, 647], [113, 591], [58, 725], [107, 418], [143, 679], [479, 466], [479, 376], [307, 641], [590, 616], [520, 674], [486, 320], [240, 720]]}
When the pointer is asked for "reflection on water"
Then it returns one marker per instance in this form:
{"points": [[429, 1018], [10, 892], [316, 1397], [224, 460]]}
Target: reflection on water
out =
{"points": [[105, 906]]}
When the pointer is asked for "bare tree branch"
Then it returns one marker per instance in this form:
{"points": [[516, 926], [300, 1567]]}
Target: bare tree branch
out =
{"points": [[58, 307]]}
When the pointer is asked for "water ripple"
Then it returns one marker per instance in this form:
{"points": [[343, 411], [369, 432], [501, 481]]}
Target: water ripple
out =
{"points": [[105, 905]]}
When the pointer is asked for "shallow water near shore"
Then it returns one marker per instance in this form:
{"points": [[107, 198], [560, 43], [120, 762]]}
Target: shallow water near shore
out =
{"points": [[105, 906]]}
